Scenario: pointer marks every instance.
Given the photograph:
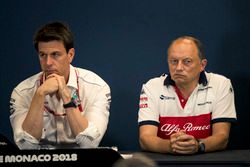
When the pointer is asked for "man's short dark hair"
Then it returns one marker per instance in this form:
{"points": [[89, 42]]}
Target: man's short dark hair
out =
{"points": [[54, 31]]}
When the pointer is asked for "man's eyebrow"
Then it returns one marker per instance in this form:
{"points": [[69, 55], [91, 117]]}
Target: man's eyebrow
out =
{"points": [[41, 52], [55, 52]]}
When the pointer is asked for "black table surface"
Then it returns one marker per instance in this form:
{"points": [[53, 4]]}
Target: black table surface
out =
{"points": [[226, 157]]}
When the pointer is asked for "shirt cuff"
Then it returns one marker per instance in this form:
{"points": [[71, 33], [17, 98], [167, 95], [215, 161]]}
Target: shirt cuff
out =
{"points": [[87, 137], [26, 141]]}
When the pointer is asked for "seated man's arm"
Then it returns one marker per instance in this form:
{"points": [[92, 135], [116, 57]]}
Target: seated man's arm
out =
{"points": [[219, 138], [151, 142], [97, 115], [19, 107]]}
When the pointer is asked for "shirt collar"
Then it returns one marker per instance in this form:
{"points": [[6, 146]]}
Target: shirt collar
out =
{"points": [[202, 80], [72, 82]]}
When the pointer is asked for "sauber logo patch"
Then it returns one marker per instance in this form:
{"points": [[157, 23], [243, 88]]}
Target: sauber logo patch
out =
{"points": [[162, 97]]}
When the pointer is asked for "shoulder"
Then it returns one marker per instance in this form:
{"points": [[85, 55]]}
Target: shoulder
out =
{"points": [[156, 81], [219, 82], [90, 77], [29, 83], [216, 78]]}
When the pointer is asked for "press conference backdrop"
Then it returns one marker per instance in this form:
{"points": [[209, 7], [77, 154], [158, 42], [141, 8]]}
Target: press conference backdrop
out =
{"points": [[125, 42]]}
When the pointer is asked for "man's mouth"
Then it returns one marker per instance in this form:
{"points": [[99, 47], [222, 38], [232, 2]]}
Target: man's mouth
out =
{"points": [[179, 75]]}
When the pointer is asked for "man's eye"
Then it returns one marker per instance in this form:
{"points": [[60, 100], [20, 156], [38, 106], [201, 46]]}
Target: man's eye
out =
{"points": [[173, 62], [42, 55], [187, 61], [55, 55]]}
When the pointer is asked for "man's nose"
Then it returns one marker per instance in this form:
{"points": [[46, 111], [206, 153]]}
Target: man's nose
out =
{"points": [[49, 60], [179, 66]]}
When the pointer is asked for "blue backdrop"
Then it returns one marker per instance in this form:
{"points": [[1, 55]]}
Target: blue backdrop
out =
{"points": [[125, 42]]}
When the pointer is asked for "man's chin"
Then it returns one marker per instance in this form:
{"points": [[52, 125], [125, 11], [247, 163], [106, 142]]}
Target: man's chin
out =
{"points": [[180, 81]]}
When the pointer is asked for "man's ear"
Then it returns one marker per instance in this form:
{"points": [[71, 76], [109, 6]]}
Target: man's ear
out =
{"points": [[203, 64], [71, 54]]}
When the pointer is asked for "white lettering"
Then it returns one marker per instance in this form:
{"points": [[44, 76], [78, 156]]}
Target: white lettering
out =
{"points": [[64, 157], [27, 158], [34, 158], [47, 157], [170, 128], [37, 158], [189, 127], [10, 158], [1, 159], [19, 158]]}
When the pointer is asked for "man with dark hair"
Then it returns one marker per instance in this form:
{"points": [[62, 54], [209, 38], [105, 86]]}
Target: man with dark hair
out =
{"points": [[188, 111], [62, 106]]}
